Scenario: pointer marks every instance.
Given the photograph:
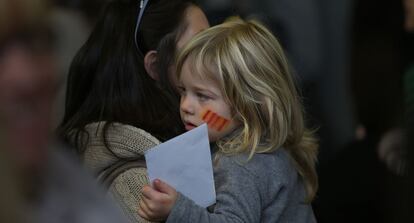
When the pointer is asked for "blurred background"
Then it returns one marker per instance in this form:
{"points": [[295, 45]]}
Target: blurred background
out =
{"points": [[353, 61]]}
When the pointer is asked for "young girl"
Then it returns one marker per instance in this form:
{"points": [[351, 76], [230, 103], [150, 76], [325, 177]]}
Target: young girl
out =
{"points": [[235, 78]]}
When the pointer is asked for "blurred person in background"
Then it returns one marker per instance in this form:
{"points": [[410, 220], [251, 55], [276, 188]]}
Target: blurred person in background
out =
{"points": [[392, 148], [10, 201], [355, 187], [354, 184], [396, 145], [45, 185]]}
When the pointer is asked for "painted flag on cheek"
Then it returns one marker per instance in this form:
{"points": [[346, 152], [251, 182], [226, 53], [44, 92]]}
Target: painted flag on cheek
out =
{"points": [[214, 120]]}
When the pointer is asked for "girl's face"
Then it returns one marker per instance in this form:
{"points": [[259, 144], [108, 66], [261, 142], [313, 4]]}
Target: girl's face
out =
{"points": [[202, 102]]}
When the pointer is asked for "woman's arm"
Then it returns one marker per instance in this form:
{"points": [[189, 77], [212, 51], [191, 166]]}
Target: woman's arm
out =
{"points": [[126, 190]]}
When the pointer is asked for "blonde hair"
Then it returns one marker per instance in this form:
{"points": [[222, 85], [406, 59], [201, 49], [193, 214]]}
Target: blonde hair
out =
{"points": [[249, 65]]}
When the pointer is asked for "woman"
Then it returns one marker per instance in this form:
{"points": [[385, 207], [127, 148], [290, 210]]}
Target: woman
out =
{"points": [[120, 100]]}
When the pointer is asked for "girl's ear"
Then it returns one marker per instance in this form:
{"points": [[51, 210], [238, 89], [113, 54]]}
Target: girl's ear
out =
{"points": [[150, 65]]}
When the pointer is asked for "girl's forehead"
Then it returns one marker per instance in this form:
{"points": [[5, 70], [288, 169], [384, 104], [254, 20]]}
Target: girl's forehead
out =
{"points": [[201, 68], [192, 76]]}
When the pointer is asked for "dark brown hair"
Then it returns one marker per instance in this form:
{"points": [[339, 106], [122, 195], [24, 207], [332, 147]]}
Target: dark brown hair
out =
{"points": [[107, 79]]}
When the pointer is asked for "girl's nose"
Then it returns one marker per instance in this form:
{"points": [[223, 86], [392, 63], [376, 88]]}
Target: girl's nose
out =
{"points": [[186, 105]]}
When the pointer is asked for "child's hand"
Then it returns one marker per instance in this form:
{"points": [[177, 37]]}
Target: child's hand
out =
{"points": [[157, 202]]}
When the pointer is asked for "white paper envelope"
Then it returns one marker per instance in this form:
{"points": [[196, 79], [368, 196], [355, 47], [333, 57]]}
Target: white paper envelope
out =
{"points": [[184, 162]]}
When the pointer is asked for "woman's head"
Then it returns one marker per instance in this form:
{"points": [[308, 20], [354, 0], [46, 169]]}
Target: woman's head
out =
{"points": [[251, 72], [108, 78]]}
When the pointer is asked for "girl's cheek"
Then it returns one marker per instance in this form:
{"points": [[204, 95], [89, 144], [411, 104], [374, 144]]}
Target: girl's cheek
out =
{"points": [[214, 121]]}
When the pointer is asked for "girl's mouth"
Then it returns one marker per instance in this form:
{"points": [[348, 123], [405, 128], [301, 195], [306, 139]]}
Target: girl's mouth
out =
{"points": [[188, 126]]}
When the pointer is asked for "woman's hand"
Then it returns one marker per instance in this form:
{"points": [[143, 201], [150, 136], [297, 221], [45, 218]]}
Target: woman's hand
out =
{"points": [[157, 202]]}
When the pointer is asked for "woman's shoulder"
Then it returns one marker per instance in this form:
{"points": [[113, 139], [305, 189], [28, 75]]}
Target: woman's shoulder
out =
{"points": [[118, 130], [119, 141], [120, 137]]}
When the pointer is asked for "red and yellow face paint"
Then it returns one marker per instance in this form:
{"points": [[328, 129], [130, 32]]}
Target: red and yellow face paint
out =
{"points": [[214, 120]]}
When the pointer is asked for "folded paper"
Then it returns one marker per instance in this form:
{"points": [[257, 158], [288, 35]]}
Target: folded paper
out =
{"points": [[184, 162]]}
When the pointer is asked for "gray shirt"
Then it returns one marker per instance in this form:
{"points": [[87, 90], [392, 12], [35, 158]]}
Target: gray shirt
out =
{"points": [[265, 189]]}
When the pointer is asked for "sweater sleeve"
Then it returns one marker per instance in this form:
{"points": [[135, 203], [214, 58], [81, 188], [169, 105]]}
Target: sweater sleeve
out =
{"points": [[238, 198], [126, 190]]}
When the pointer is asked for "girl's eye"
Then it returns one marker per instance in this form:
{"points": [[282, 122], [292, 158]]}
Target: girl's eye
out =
{"points": [[203, 97], [181, 90]]}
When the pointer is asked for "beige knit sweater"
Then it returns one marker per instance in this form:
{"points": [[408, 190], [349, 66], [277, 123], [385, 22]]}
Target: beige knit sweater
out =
{"points": [[127, 142]]}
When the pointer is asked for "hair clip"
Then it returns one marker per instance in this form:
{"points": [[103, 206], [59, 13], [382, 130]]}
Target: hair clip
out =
{"points": [[142, 6]]}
